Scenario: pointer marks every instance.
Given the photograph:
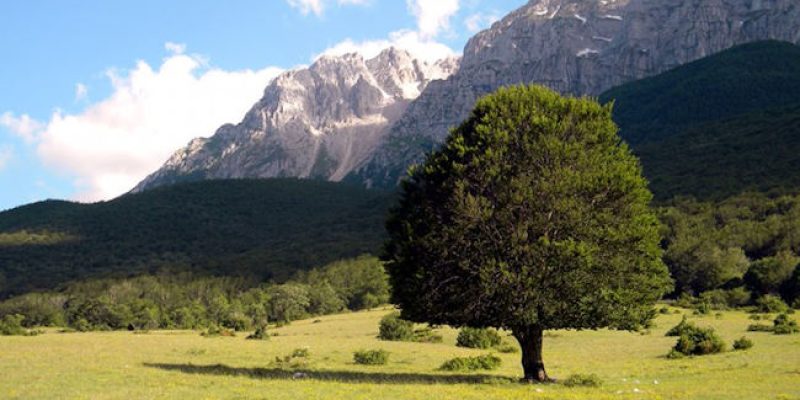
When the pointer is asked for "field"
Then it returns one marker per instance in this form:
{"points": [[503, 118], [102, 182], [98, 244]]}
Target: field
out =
{"points": [[184, 365]]}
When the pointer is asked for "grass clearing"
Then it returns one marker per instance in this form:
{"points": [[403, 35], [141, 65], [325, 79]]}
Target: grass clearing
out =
{"points": [[181, 364]]}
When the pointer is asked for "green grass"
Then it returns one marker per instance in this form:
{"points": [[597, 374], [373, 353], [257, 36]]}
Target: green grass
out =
{"points": [[180, 365]]}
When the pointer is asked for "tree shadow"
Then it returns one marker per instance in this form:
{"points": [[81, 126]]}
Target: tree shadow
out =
{"points": [[332, 375]]}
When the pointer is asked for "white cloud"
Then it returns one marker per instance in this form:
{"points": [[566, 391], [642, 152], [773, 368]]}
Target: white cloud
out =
{"points": [[23, 126], [317, 7], [428, 50], [81, 92], [175, 48], [116, 142], [433, 16], [477, 22], [5, 156]]}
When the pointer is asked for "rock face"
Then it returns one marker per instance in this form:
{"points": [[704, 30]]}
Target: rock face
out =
{"points": [[579, 47], [322, 122], [353, 119]]}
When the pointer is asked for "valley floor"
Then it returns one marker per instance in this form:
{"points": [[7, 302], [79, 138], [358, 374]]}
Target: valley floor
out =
{"points": [[184, 365]]}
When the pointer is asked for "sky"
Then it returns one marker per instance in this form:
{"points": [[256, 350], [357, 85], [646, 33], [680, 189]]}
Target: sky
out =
{"points": [[96, 94]]}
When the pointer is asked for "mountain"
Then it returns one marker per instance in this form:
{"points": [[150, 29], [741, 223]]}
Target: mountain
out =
{"points": [[576, 47], [365, 121], [319, 122], [266, 229]]}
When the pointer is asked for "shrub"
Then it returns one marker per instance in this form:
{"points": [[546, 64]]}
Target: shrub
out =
{"points": [[675, 355], [507, 347], [590, 380], [486, 362], [11, 325], [771, 304], [392, 328], [796, 304], [759, 328], [260, 333], [742, 343], [427, 335], [682, 327], [664, 310], [477, 338], [785, 326], [371, 357], [699, 341], [217, 331]]}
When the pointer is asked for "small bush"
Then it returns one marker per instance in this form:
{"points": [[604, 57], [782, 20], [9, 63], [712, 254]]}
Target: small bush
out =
{"points": [[426, 335], [783, 325], [507, 347], [371, 357], [11, 325], [260, 333], [296, 359], [392, 328], [217, 331], [486, 362], [771, 304], [759, 328], [664, 310], [796, 304], [699, 341], [590, 380], [476, 338], [682, 327], [675, 355], [742, 343]]}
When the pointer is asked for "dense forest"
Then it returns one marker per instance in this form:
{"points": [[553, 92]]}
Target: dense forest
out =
{"points": [[719, 126], [262, 229]]}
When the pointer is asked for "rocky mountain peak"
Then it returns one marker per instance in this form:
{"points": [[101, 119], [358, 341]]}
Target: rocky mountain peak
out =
{"points": [[317, 122]]}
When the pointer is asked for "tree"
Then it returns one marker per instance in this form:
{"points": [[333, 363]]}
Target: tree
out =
{"points": [[533, 216]]}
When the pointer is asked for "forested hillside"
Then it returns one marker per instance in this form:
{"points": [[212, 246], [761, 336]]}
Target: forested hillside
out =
{"points": [[267, 229], [720, 126]]}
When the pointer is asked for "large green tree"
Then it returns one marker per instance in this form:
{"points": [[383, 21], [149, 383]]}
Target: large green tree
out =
{"points": [[533, 216]]}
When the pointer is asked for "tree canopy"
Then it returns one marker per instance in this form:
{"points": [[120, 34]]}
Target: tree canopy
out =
{"points": [[533, 216]]}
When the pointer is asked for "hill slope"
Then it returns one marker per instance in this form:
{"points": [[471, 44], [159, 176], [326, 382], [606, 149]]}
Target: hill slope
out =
{"points": [[266, 229], [719, 126], [747, 78]]}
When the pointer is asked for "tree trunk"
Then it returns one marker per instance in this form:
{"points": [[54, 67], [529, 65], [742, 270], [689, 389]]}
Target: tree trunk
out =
{"points": [[530, 339]]}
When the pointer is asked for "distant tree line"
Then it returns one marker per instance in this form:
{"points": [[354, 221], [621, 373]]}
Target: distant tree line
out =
{"points": [[186, 301], [736, 251]]}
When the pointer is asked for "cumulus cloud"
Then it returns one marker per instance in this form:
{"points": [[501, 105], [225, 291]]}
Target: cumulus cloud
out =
{"points": [[116, 142], [317, 7], [433, 16], [411, 41], [477, 22], [23, 126]]}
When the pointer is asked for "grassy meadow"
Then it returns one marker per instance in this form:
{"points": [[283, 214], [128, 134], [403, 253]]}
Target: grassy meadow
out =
{"points": [[184, 365]]}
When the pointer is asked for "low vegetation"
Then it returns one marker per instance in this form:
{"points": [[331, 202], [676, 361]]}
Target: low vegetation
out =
{"points": [[488, 362], [371, 357], [477, 338]]}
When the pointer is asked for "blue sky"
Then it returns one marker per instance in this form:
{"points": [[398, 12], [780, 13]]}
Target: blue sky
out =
{"points": [[96, 94]]}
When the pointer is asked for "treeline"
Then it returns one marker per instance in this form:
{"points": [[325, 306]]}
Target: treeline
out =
{"points": [[735, 251], [187, 301]]}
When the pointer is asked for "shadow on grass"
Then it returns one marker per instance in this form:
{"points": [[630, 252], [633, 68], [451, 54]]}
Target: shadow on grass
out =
{"points": [[331, 375]]}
